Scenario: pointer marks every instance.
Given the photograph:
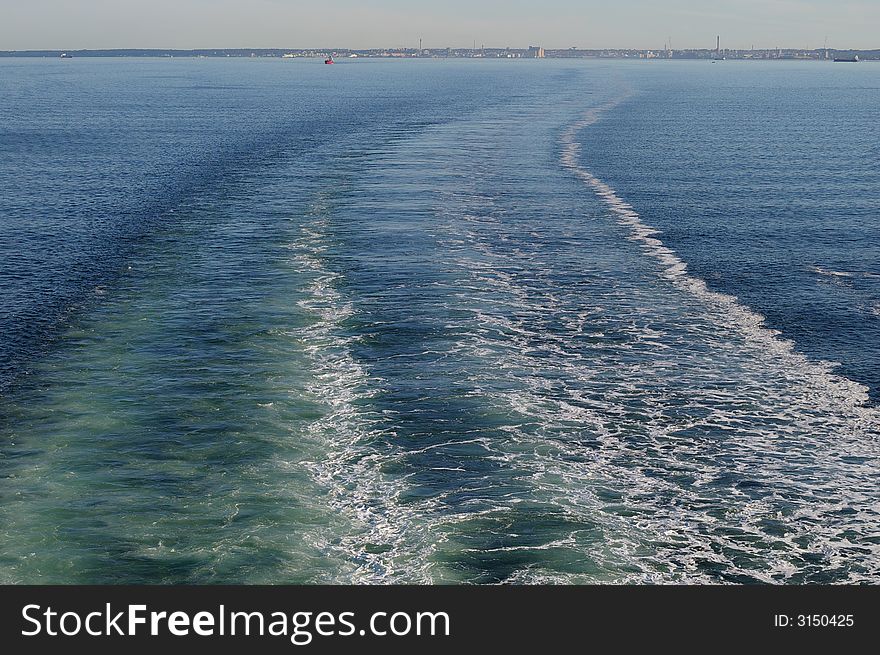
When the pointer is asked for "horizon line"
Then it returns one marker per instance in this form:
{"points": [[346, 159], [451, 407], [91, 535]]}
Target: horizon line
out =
{"points": [[424, 48]]}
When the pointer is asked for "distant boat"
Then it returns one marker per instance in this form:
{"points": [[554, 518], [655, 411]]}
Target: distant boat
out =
{"points": [[329, 60], [64, 55], [852, 59]]}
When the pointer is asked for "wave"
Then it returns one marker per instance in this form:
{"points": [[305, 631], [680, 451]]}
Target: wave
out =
{"points": [[374, 548], [750, 323], [630, 449], [818, 270]]}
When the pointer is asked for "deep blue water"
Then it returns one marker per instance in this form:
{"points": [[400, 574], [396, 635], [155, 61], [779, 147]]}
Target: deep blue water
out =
{"points": [[409, 321]]}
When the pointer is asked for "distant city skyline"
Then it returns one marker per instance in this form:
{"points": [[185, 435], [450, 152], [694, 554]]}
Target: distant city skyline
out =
{"points": [[186, 24]]}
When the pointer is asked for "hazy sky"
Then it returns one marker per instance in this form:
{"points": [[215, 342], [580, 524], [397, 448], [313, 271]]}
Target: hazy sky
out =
{"points": [[70, 24]]}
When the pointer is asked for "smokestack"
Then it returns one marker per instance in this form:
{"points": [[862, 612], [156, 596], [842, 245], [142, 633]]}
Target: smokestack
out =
{"points": [[718, 44]]}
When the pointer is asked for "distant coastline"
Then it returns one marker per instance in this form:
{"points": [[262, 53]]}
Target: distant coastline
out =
{"points": [[818, 54]]}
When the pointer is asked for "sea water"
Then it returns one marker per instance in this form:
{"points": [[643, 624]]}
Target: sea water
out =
{"points": [[439, 321]]}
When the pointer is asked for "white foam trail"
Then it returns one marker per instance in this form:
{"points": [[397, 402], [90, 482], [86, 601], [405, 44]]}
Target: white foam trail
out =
{"points": [[349, 469], [788, 423], [749, 322]]}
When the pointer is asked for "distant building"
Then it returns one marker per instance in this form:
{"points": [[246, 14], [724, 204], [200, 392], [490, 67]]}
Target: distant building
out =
{"points": [[535, 52]]}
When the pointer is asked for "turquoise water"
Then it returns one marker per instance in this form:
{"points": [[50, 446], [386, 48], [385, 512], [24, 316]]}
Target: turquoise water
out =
{"points": [[269, 321]]}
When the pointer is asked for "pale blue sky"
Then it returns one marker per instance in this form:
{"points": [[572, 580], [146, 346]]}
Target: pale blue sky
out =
{"points": [[69, 24]]}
